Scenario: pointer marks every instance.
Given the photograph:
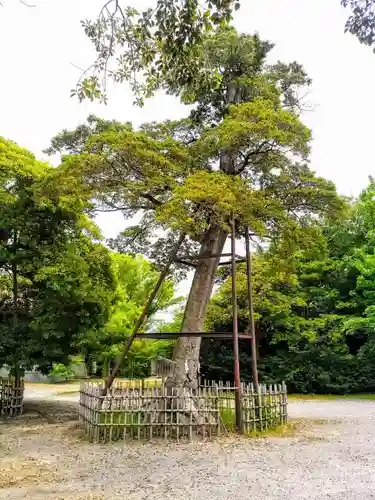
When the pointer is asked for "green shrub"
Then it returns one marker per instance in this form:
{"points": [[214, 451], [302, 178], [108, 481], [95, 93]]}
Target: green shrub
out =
{"points": [[60, 371]]}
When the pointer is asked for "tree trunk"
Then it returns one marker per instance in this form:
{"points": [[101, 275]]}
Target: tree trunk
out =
{"points": [[88, 365], [186, 352], [106, 369]]}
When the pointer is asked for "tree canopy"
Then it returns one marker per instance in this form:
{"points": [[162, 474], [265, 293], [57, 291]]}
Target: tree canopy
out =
{"points": [[315, 325], [55, 280], [241, 154], [162, 47], [240, 158]]}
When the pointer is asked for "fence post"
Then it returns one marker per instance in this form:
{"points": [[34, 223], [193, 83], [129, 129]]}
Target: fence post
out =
{"points": [[11, 397]]}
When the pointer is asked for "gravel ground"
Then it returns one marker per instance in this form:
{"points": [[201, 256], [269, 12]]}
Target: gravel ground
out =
{"points": [[330, 456]]}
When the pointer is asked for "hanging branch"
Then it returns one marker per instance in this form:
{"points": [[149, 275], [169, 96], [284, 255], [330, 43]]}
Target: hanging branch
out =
{"points": [[144, 45], [23, 3], [143, 316]]}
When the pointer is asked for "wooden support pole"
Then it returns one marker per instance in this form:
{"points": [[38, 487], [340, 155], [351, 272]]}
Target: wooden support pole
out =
{"points": [[143, 316], [249, 269], [237, 376], [203, 335]]}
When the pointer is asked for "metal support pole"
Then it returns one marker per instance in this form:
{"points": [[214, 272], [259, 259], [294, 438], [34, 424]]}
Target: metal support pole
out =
{"points": [[254, 361], [237, 377]]}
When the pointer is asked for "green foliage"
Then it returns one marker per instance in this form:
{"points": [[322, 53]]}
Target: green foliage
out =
{"points": [[173, 176], [361, 23], [61, 371], [54, 281], [315, 320], [160, 46], [74, 142], [164, 47], [135, 279]]}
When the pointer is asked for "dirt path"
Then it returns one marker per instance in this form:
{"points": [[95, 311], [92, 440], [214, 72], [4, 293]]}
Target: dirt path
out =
{"points": [[331, 456]]}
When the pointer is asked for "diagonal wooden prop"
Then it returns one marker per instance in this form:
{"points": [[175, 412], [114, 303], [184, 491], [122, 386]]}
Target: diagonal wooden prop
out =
{"points": [[142, 317]]}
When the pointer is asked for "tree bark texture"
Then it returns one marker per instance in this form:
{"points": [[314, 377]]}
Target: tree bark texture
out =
{"points": [[186, 352]]}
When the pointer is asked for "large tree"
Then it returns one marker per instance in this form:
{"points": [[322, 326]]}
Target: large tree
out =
{"points": [[241, 155], [55, 282]]}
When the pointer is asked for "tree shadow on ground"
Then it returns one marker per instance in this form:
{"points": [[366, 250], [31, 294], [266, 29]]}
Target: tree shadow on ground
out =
{"points": [[50, 411]]}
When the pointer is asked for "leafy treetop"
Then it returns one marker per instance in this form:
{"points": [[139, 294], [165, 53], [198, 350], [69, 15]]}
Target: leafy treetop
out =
{"points": [[248, 159], [159, 47]]}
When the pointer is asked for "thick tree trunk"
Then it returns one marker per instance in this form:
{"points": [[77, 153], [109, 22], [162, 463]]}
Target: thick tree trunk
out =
{"points": [[186, 352]]}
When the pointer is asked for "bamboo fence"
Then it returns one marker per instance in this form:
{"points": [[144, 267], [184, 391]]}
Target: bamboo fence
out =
{"points": [[11, 397], [144, 411]]}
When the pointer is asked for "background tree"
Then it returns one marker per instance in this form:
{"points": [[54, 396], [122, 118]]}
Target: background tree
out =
{"points": [[314, 325], [361, 23], [242, 153], [135, 279], [54, 281]]}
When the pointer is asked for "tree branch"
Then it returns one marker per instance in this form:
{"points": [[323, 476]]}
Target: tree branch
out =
{"points": [[228, 262], [186, 263], [151, 198], [120, 209], [249, 155]]}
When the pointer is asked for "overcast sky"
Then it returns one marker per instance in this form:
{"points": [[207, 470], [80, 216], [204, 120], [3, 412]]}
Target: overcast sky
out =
{"points": [[41, 48]]}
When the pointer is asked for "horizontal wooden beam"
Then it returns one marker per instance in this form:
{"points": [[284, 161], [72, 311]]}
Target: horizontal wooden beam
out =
{"points": [[206, 335]]}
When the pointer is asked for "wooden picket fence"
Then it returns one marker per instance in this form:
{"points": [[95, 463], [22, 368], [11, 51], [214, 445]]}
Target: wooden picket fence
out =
{"points": [[263, 408], [145, 411], [11, 397]]}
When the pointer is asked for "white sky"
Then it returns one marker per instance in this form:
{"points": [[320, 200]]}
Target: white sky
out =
{"points": [[41, 45]]}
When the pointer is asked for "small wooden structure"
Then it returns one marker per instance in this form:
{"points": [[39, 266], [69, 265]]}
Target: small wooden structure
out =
{"points": [[147, 410], [163, 368], [11, 397]]}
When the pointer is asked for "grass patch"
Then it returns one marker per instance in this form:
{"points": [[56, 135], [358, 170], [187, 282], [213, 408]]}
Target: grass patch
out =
{"points": [[64, 393], [330, 397], [270, 419], [121, 417], [115, 424], [294, 428], [286, 430], [228, 418]]}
